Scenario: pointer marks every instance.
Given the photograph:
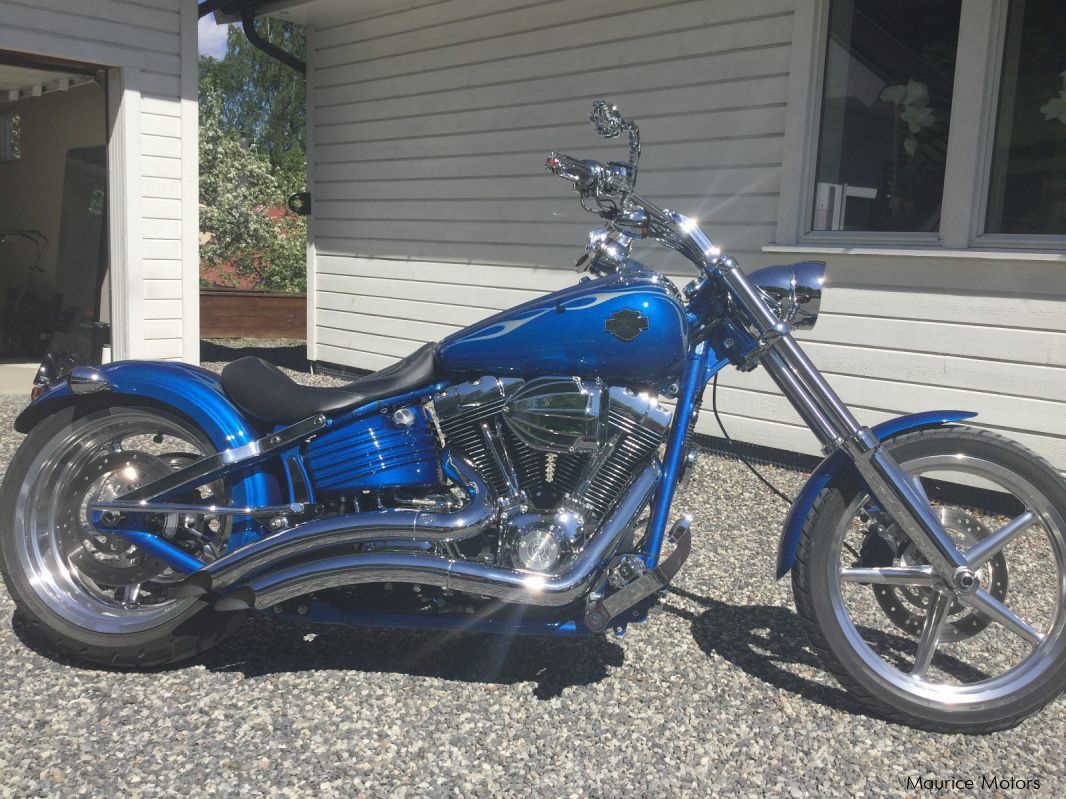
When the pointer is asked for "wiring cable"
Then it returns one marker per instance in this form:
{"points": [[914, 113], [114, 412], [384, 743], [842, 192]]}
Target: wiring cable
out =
{"points": [[714, 407]]}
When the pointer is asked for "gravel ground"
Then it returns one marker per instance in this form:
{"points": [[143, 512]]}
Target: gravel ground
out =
{"points": [[719, 695]]}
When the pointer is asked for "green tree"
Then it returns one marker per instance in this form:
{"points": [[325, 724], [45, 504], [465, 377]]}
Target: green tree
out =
{"points": [[263, 100], [238, 186]]}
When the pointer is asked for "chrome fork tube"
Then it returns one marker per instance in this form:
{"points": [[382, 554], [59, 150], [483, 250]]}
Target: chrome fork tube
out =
{"points": [[811, 413], [836, 427]]}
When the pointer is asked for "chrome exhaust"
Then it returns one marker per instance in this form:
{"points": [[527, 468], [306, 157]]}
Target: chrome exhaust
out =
{"points": [[320, 535], [526, 588]]}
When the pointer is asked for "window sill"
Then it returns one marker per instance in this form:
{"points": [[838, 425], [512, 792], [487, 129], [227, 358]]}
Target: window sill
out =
{"points": [[916, 252]]}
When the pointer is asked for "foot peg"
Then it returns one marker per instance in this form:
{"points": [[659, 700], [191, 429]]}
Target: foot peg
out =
{"points": [[599, 616]]}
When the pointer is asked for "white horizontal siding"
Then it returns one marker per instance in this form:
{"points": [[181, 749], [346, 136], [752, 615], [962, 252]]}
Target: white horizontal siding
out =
{"points": [[146, 39], [410, 116], [80, 24], [432, 211]]}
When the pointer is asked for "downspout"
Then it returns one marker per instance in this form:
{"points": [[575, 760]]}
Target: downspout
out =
{"points": [[247, 14], [271, 49]]}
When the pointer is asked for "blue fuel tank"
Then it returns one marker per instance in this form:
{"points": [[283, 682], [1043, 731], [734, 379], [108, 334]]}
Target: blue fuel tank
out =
{"points": [[628, 327]]}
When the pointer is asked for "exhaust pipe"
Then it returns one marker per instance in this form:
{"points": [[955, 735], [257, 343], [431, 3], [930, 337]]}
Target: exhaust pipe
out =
{"points": [[339, 571], [322, 534]]}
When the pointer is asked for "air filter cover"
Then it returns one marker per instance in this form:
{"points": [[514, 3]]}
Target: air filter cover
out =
{"points": [[557, 414]]}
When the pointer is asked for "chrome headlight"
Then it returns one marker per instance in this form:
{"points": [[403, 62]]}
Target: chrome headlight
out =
{"points": [[794, 292]]}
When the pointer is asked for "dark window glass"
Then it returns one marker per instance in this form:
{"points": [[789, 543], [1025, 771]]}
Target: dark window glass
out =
{"points": [[10, 137], [1027, 190], [886, 102]]}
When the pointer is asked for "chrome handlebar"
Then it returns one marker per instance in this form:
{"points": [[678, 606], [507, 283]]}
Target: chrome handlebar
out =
{"points": [[630, 214], [585, 175], [592, 177], [611, 186]]}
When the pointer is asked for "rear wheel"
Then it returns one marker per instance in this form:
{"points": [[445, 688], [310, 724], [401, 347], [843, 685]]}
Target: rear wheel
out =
{"points": [[903, 640], [85, 589]]}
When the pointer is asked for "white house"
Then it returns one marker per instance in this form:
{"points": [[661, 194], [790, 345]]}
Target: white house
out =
{"points": [[919, 148], [98, 132]]}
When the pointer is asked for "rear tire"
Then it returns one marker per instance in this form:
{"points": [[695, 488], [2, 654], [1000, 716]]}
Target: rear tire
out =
{"points": [[60, 604], [895, 685]]}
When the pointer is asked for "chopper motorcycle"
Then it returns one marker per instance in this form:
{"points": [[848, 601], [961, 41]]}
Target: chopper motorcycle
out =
{"points": [[518, 477]]}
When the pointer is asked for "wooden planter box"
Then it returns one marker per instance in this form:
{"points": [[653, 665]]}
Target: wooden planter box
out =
{"points": [[239, 313]]}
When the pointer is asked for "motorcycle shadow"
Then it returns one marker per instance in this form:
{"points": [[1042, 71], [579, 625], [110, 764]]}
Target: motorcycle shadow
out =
{"points": [[766, 642], [769, 643], [263, 647]]}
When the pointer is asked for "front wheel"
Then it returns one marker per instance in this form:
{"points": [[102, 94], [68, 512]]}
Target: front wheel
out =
{"points": [[86, 590], [895, 635]]}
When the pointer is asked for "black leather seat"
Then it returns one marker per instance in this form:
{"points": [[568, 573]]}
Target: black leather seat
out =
{"points": [[262, 390]]}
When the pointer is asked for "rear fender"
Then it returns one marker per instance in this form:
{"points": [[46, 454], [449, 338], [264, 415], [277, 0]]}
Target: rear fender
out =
{"points": [[829, 468], [188, 391]]}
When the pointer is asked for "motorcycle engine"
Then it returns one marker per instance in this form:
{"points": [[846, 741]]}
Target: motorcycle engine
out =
{"points": [[558, 452]]}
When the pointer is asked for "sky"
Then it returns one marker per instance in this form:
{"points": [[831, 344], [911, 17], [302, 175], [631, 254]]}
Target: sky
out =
{"points": [[212, 37]]}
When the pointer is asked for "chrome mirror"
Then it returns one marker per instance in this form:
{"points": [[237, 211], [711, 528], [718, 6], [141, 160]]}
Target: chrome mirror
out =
{"points": [[606, 119], [794, 292], [609, 123]]}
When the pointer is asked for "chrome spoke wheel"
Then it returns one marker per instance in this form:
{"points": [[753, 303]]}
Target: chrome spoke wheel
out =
{"points": [[88, 576], [959, 648], [975, 650]]}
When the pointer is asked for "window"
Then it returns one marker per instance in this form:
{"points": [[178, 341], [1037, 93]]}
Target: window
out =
{"points": [[1027, 183], [886, 102], [10, 137]]}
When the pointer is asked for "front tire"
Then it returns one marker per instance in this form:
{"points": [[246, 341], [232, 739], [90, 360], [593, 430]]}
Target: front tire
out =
{"points": [[83, 590], [921, 655]]}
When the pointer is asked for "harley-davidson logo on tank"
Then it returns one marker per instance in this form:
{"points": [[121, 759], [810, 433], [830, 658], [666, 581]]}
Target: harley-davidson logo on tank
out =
{"points": [[626, 324]]}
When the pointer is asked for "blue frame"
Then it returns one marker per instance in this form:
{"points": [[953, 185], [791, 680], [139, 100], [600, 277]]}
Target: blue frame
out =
{"points": [[693, 380]]}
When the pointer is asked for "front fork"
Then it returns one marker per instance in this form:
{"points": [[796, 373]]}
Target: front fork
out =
{"points": [[836, 428], [826, 415]]}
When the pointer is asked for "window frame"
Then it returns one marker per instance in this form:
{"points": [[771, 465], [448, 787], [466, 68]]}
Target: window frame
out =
{"points": [[971, 138]]}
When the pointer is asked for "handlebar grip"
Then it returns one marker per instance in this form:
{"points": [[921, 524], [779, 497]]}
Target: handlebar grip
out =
{"points": [[583, 174]]}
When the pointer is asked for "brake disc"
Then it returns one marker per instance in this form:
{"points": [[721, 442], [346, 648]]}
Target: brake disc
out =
{"points": [[99, 553], [907, 606]]}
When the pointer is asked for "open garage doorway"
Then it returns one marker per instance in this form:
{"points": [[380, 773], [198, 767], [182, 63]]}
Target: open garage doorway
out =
{"points": [[54, 283]]}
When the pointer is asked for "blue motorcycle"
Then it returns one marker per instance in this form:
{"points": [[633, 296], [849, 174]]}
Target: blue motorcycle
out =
{"points": [[518, 476]]}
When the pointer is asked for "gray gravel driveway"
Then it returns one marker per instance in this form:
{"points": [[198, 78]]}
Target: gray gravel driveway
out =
{"points": [[719, 695]]}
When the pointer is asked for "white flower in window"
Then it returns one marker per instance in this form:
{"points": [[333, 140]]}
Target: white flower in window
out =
{"points": [[917, 94], [1055, 108], [912, 101], [894, 94], [917, 118]]}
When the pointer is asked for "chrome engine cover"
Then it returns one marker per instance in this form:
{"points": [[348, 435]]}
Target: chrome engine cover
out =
{"points": [[557, 414], [558, 452]]}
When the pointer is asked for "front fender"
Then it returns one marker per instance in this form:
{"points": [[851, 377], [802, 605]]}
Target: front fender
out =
{"points": [[828, 469], [189, 391]]}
